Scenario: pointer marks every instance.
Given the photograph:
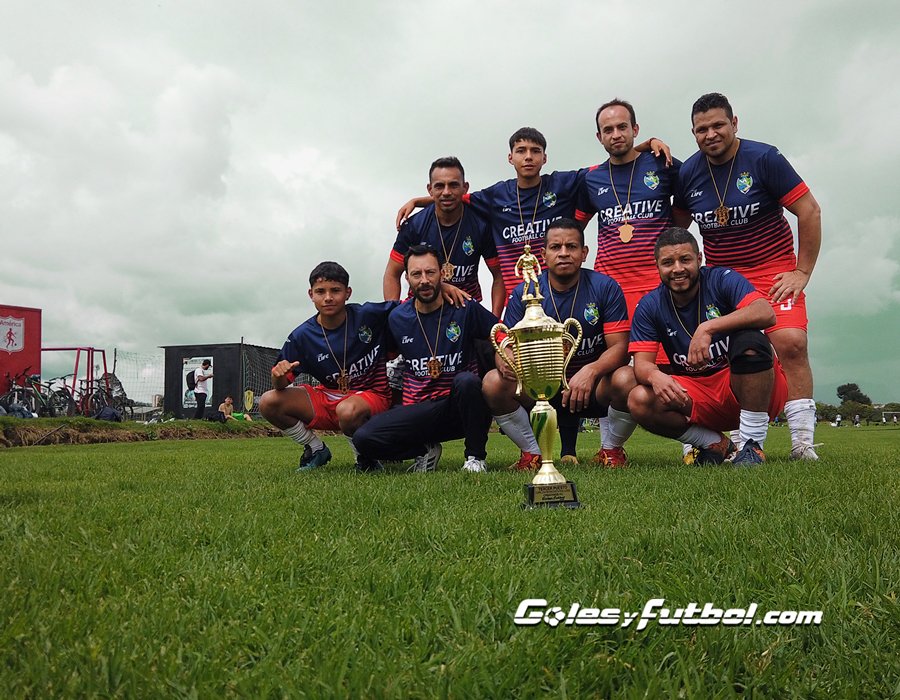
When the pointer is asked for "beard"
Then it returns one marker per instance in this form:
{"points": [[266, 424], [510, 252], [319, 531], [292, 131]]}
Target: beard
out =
{"points": [[427, 295]]}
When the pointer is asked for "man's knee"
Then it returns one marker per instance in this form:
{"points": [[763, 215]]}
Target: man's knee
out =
{"points": [[749, 352], [351, 414], [466, 383], [640, 402], [623, 383], [792, 346], [270, 404]]}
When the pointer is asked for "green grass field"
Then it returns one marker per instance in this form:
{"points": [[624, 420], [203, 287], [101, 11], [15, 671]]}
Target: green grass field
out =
{"points": [[210, 569]]}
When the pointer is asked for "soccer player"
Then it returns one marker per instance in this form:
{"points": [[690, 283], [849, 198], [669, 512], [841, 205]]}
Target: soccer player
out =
{"points": [[442, 397], [521, 209], [453, 228], [708, 321], [736, 190], [597, 302], [631, 192], [344, 346]]}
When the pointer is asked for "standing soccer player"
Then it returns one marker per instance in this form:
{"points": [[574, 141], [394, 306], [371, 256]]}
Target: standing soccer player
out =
{"points": [[442, 397], [736, 190], [449, 225], [344, 347]]}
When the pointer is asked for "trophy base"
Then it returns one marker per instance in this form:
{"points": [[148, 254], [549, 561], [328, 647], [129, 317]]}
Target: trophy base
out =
{"points": [[551, 496]]}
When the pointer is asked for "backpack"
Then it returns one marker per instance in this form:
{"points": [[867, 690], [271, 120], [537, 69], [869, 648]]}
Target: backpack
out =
{"points": [[109, 413], [191, 380]]}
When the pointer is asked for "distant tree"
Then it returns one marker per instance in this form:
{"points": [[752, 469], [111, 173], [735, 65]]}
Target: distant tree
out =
{"points": [[826, 411], [851, 392]]}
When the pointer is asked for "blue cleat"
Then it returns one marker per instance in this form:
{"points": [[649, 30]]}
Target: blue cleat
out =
{"points": [[751, 454], [316, 459]]}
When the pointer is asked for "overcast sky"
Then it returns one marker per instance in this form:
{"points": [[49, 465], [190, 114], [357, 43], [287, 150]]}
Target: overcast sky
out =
{"points": [[170, 172]]}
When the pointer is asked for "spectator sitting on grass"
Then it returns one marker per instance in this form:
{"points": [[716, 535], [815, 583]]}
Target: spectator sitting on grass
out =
{"points": [[227, 409]]}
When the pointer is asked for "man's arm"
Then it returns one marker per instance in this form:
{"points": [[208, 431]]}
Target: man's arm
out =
{"points": [[391, 282], [582, 383], [681, 218], [757, 315], [809, 239], [410, 207], [660, 147], [283, 374], [498, 291], [665, 388]]}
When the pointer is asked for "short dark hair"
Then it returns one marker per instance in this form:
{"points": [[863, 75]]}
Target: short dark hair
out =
{"points": [[421, 249], [675, 235], [564, 223], [712, 100], [527, 133], [207, 363], [329, 271], [447, 162], [615, 102]]}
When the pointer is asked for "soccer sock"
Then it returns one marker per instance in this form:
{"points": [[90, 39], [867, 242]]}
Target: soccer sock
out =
{"points": [[736, 438], [517, 428], [699, 436], [754, 426], [620, 426], [352, 446], [801, 419], [603, 424], [304, 436]]}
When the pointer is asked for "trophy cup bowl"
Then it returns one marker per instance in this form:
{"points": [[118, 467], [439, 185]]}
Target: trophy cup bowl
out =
{"points": [[539, 361]]}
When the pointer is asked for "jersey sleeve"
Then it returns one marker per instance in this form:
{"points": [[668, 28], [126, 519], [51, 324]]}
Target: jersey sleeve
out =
{"points": [[781, 179], [480, 318], [738, 289], [615, 311], [584, 207], [403, 242], [481, 201], [291, 351], [515, 309], [644, 335]]}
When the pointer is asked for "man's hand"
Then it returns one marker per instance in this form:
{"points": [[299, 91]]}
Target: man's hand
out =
{"points": [[280, 371], [581, 386], [788, 285], [505, 368], [698, 355], [405, 211], [668, 391], [454, 295], [656, 147]]}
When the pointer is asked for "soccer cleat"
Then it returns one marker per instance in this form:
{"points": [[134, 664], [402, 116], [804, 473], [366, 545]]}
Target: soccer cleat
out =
{"points": [[428, 461], [689, 456], [805, 451], [716, 453], [307, 454], [528, 461], [750, 454], [316, 459], [611, 457], [367, 465], [474, 465], [566, 461]]}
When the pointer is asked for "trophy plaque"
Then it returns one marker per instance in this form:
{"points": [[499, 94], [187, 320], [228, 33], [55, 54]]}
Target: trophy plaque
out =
{"points": [[539, 361]]}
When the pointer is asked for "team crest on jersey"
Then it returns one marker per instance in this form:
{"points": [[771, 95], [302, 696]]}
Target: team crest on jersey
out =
{"points": [[651, 179], [591, 314], [365, 334], [453, 332], [467, 246], [712, 311], [744, 183], [549, 199]]}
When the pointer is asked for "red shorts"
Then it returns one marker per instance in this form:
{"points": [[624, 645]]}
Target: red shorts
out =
{"points": [[324, 404], [790, 313], [631, 300], [716, 408]]}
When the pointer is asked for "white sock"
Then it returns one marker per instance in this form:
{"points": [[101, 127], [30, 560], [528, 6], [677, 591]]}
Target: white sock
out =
{"points": [[352, 446], [304, 436], [603, 424], [736, 438], [620, 426], [517, 428], [754, 426], [801, 419], [698, 436]]}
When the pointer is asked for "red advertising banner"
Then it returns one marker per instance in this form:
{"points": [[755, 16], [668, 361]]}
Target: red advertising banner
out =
{"points": [[20, 342]]}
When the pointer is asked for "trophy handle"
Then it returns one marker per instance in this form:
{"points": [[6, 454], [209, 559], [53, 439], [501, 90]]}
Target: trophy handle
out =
{"points": [[574, 340], [501, 347]]}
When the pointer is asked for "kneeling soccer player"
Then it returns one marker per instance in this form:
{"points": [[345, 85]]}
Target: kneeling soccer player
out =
{"points": [[724, 373], [344, 347]]}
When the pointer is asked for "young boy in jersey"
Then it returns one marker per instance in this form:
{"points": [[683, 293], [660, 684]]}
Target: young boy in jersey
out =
{"points": [[724, 373], [343, 346], [442, 397]]}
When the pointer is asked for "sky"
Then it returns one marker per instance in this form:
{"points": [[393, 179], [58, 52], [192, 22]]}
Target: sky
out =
{"points": [[170, 172]]}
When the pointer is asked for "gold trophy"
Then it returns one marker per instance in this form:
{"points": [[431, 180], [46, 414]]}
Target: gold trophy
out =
{"points": [[539, 362]]}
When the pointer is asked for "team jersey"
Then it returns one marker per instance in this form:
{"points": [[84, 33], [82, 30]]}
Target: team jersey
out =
{"points": [[762, 182], [463, 242], [657, 319], [365, 332], [596, 302], [644, 189], [520, 216], [450, 332]]}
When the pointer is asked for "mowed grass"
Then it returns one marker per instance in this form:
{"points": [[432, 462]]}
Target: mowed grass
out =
{"points": [[211, 569]]}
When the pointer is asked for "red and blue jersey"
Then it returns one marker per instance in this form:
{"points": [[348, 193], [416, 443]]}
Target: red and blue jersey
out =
{"points": [[597, 303], [367, 343], [521, 215], [657, 320], [464, 242], [450, 332], [762, 183], [644, 188]]}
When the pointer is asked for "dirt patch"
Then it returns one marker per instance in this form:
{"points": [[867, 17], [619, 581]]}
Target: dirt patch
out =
{"points": [[18, 432]]}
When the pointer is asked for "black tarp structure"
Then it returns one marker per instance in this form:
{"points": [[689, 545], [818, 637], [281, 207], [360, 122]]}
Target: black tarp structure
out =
{"points": [[236, 367]]}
